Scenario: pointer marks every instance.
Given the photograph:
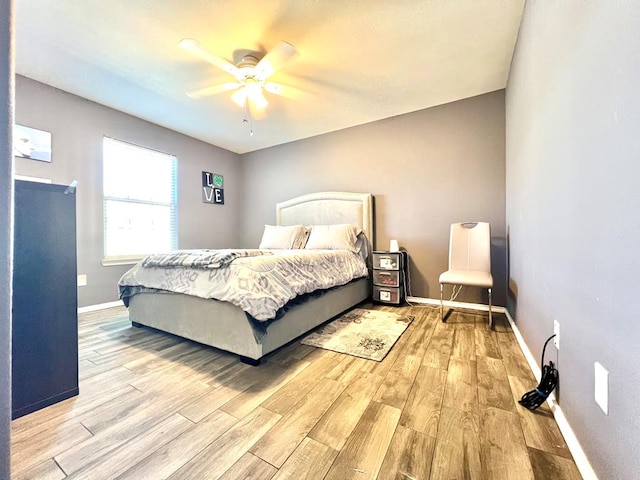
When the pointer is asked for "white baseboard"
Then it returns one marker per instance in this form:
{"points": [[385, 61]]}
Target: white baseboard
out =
{"points": [[100, 306], [448, 303], [582, 462]]}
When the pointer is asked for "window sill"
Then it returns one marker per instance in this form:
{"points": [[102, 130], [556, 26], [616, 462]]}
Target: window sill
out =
{"points": [[115, 261]]}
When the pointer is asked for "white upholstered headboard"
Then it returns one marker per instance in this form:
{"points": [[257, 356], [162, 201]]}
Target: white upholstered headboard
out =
{"points": [[327, 208]]}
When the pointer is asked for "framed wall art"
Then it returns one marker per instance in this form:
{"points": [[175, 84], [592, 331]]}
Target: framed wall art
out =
{"points": [[31, 143]]}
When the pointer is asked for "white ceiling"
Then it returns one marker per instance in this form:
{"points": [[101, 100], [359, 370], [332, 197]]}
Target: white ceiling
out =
{"points": [[359, 60]]}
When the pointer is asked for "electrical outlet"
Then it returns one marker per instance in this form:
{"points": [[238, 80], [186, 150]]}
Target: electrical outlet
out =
{"points": [[602, 387], [82, 280], [556, 332]]}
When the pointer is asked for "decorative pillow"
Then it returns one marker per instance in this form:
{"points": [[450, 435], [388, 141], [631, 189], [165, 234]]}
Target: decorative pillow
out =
{"points": [[281, 237], [333, 237], [301, 237]]}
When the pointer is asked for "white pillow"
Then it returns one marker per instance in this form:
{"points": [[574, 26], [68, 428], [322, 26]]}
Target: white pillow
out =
{"points": [[280, 237], [333, 237]]}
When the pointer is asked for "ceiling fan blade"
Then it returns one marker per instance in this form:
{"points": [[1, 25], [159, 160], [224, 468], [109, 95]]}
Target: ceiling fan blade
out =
{"points": [[286, 91], [195, 48], [275, 60], [213, 89]]}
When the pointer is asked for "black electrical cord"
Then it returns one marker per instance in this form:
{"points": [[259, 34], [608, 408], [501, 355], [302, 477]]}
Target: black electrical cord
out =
{"points": [[548, 383]]}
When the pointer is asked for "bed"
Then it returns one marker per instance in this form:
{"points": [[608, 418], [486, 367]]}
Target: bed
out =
{"points": [[223, 325]]}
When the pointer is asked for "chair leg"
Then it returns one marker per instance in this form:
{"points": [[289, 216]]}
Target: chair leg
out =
{"points": [[441, 304], [490, 315]]}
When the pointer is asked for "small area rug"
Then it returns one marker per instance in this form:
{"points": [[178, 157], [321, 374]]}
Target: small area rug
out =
{"points": [[362, 333]]}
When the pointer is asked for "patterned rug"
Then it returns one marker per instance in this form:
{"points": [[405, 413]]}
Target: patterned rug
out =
{"points": [[362, 333]]}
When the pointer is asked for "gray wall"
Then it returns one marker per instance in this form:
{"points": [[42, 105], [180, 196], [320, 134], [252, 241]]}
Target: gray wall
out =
{"points": [[6, 229], [426, 169], [77, 126], [573, 150]]}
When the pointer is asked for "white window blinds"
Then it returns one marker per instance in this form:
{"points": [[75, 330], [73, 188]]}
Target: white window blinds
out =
{"points": [[139, 201]]}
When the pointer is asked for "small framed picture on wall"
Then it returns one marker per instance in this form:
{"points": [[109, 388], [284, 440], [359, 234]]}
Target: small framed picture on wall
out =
{"points": [[31, 143]]}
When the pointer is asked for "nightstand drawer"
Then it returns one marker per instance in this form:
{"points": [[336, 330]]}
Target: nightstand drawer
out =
{"points": [[387, 294], [387, 260], [390, 278]]}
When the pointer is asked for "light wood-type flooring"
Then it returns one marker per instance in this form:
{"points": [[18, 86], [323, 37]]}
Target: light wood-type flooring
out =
{"points": [[441, 405]]}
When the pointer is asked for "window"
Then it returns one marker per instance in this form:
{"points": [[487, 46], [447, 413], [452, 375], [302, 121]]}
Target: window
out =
{"points": [[139, 202]]}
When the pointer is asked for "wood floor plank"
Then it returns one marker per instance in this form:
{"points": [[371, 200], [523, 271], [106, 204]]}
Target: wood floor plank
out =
{"points": [[539, 426], [438, 351], [93, 391], [229, 387], [174, 454], [142, 407], [503, 451], [113, 432], [290, 394], [208, 403], [424, 320], [364, 452], [310, 461], [291, 353], [398, 382], [461, 318], [547, 465], [212, 462], [341, 418], [176, 360], [124, 346], [273, 377], [227, 373], [129, 453], [457, 451], [461, 390], [47, 470], [512, 357], [73, 409], [348, 369], [422, 410], [493, 384], [250, 467], [86, 368], [486, 342], [30, 451], [279, 442], [409, 456], [464, 342]]}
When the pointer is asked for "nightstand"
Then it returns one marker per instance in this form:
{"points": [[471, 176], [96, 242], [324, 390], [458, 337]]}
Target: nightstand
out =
{"points": [[389, 277]]}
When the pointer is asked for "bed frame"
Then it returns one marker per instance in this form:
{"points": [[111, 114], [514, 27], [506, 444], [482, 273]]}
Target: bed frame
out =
{"points": [[225, 326]]}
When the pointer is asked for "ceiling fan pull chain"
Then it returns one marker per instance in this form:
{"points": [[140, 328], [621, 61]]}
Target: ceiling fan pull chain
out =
{"points": [[248, 118]]}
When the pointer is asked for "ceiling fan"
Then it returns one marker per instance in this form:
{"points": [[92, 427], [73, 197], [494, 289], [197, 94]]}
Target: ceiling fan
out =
{"points": [[251, 74]]}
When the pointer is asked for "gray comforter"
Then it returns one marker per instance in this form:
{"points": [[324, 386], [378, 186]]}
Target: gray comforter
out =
{"points": [[258, 284]]}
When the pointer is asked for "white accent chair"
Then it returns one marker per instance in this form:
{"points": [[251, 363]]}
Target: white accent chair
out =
{"points": [[469, 259]]}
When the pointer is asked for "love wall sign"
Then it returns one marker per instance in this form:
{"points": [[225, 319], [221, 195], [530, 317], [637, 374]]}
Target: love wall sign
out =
{"points": [[212, 188]]}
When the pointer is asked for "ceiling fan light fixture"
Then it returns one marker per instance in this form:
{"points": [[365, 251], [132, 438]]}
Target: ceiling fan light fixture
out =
{"points": [[240, 97], [254, 93], [259, 101]]}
